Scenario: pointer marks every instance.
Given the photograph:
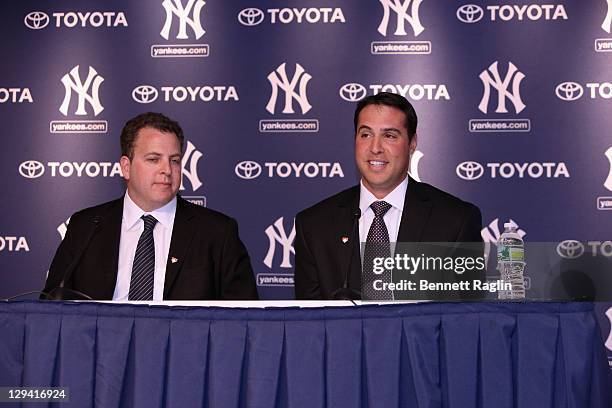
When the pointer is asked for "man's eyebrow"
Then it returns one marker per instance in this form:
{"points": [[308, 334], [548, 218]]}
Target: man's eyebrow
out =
{"points": [[154, 153], [391, 129], [395, 130]]}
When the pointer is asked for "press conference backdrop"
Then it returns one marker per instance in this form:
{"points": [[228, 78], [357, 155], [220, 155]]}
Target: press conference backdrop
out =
{"points": [[514, 102]]}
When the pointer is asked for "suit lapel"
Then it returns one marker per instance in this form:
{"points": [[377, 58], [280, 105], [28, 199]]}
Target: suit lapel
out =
{"points": [[109, 236], [182, 232], [416, 213], [344, 219]]}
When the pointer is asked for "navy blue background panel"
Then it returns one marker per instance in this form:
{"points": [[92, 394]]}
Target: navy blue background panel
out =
{"points": [[514, 105]]}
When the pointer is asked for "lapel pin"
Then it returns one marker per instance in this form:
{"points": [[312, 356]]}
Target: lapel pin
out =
{"points": [[344, 240], [174, 260]]}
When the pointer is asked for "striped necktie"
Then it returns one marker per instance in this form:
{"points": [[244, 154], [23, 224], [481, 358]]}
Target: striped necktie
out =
{"points": [[143, 269]]}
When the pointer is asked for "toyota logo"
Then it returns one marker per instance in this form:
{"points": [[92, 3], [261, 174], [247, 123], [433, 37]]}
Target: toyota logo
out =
{"points": [[36, 20], [570, 249], [569, 91], [144, 94], [250, 16], [470, 170], [31, 169], [352, 92], [470, 13], [248, 170]]}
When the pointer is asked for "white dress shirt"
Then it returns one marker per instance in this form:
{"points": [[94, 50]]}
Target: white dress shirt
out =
{"points": [[392, 218], [131, 229]]}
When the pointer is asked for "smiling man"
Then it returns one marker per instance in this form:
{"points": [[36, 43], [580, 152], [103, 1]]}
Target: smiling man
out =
{"points": [[386, 207], [151, 244]]}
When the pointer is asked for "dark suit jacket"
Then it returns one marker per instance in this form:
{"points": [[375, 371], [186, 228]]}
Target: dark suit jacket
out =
{"points": [[322, 259], [212, 262]]}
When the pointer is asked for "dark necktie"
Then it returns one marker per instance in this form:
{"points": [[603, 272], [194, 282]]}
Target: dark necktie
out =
{"points": [[141, 283], [377, 246]]}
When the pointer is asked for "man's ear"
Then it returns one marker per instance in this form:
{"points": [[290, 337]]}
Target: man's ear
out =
{"points": [[413, 143], [125, 163]]}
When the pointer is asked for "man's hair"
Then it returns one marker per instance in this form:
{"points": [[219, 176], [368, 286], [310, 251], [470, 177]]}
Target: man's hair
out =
{"points": [[394, 101], [147, 120]]}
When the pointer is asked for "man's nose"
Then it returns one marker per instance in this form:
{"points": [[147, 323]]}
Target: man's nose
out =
{"points": [[376, 145], [165, 167]]}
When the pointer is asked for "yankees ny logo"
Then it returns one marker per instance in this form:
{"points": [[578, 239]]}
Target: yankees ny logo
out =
{"points": [[608, 182], [63, 227], [72, 82], [175, 7], [400, 8], [192, 155], [278, 79], [609, 340], [276, 234], [607, 24], [492, 233], [501, 86], [415, 158]]}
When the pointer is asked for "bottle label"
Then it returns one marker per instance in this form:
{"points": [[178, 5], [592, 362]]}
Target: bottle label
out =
{"points": [[508, 254], [517, 254]]}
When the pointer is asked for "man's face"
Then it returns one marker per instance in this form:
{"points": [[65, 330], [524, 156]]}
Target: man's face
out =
{"points": [[382, 148], [154, 174]]}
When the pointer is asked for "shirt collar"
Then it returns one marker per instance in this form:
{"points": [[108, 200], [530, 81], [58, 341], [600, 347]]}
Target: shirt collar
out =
{"points": [[132, 213], [395, 198]]}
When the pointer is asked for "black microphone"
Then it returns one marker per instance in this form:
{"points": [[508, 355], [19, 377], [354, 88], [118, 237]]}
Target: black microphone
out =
{"points": [[344, 292], [62, 293]]}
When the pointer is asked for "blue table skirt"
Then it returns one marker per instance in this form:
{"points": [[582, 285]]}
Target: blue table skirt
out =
{"points": [[457, 355]]}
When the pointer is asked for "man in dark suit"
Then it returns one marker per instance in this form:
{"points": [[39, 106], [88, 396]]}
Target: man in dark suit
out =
{"points": [[151, 244], [388, 206]]}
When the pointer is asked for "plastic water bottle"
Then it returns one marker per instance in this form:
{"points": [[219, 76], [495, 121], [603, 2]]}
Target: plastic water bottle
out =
{"points": [[511, 262]]}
